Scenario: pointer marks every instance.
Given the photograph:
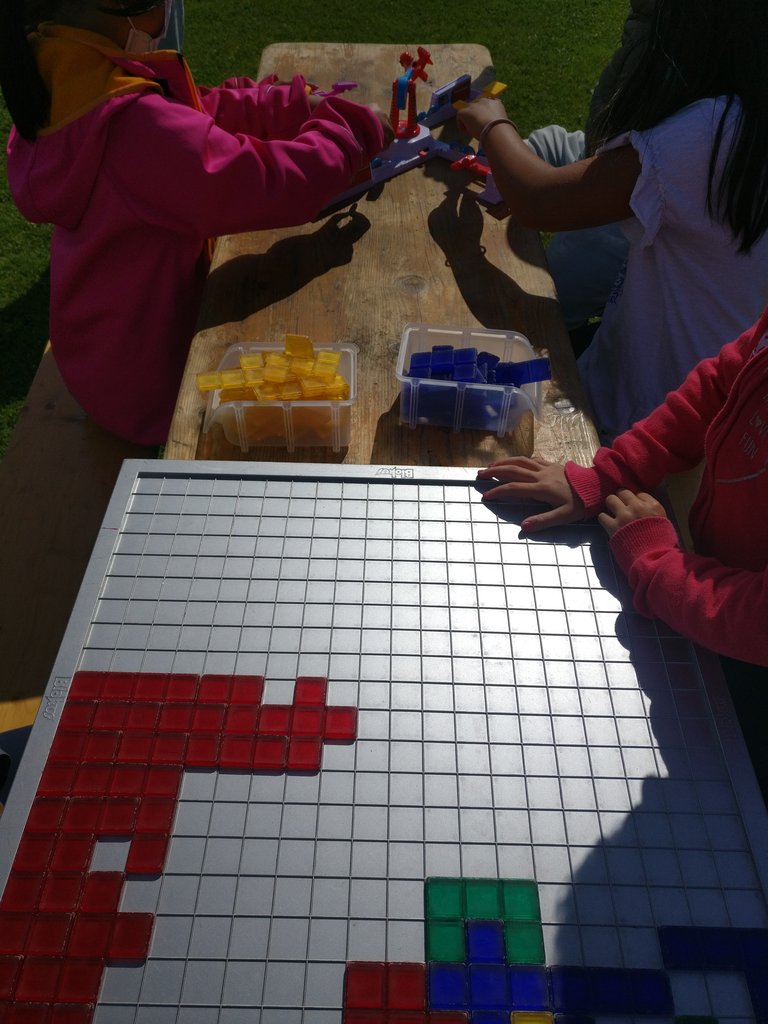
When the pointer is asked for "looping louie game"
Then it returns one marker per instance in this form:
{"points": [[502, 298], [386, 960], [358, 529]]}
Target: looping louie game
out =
{"points": [[340, 745]]}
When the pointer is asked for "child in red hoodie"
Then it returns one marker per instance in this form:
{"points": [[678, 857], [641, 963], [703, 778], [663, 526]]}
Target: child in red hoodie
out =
{"points": [[717, 594]]}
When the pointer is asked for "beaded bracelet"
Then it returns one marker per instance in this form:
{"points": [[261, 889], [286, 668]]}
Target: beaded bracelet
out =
{"points": [[492, 124]]}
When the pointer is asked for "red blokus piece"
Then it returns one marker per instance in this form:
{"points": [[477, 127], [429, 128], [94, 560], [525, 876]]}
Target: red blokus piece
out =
{"points": [[73, 851], [366, 1017], [58, 778], [110, 715], [270, 754], [10, 967], [45, 814], [308, 721], [38, 980], [22, 892], [80, 981], [101, 892], [310, 690], [93, 779], [87, 685], [175, 718], [406, 1017], [61, 891], [406, 986], [241, 718], [203, 751], [136, 747], [341, 723], [214, 689], [83, 814], [118, 816], [163, 780], [68, 745], [364, 986], [34, 852], [247, 690], [13, 931], [48, 934], [70, 1013], [128, 780], [142, 717], [182, 687], [90, 935], [77, 714], [146, 855], [236, 751], [117, 685], [170, 748], [101, 746], [27, 1013], [208, 718], [150, 686], [304, 754], [275, 719], [156, 814], [131, 937]]}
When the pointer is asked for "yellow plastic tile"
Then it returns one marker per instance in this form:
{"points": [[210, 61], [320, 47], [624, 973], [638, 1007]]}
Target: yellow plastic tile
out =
{"points": [[208, 381], [234, 378], [299, 345], [251, 360]]}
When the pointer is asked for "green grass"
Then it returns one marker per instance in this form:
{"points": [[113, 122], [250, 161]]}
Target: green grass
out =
{"points": [[548, 52]]}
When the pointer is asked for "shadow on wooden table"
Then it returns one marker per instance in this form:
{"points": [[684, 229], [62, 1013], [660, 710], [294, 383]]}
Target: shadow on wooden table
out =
{"points": [[245, 284]]}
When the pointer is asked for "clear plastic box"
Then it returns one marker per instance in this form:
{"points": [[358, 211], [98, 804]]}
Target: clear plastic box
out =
{"points": [[463, 405], [290, 425]]}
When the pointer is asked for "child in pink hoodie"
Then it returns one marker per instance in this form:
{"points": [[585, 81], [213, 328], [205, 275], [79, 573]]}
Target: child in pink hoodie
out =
{"points": [[137, 169], [717, 594]]}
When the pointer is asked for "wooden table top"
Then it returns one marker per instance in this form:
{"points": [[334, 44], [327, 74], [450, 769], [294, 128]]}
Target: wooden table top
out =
{"points": [[417, 249]]}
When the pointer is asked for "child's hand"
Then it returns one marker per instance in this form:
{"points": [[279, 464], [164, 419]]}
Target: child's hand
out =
{"points": [[624, 507], [522, 479], [473, 118], [385, 123]]}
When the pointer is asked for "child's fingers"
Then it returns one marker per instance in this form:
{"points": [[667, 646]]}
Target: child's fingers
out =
{"points": [[559, 516]]}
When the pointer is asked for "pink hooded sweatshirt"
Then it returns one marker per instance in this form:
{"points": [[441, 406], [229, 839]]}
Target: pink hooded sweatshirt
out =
{"points": [[136, 171]]}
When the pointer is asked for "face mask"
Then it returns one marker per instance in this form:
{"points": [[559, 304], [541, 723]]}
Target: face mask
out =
{"points": [[142, 42]]}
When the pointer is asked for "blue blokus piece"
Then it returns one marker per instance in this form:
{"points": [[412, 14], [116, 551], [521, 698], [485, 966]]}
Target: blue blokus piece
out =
{"points": [[528, 988], [488, 987], [571, 989], [447, 986], [485, 942], [420, 365]]}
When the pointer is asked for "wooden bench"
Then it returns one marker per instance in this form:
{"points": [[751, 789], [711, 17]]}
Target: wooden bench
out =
{"points": [[56, 479]]}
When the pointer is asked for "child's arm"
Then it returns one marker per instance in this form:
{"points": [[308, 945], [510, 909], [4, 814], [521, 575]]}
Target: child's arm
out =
{"points": [[718, 606], [587, 193]]}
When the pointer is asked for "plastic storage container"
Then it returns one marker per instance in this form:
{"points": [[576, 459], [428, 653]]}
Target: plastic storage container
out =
{"points": [[462, 405], [287, 424]]}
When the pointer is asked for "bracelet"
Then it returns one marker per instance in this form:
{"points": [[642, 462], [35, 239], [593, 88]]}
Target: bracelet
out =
{"points": [[492, 124]]}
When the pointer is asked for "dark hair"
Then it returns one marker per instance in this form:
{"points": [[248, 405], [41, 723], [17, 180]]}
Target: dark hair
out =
{"points": [[698, 49], [24, 91]]}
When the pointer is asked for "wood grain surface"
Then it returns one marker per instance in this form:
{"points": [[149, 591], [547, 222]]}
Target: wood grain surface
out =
{"points": [[418, 248]]}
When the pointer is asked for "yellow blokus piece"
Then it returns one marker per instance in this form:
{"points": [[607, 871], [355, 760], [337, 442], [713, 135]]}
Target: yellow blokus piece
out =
{"points": [[531, 1017], [235, 395], [254, 375], [234, 378], [208, 381], [326, 363], [251, 360], [299, 346]]}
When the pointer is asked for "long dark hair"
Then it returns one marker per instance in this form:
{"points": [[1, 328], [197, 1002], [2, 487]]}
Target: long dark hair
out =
{"points": [[23, 88], [698, 49]]}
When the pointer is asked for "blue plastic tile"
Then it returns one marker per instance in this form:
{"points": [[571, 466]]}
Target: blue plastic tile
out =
{"points": [[528, 987], [679, 947], [447, 986], [488, 987], [571, 990], [485, 942], [652, 992], [612, 991]]}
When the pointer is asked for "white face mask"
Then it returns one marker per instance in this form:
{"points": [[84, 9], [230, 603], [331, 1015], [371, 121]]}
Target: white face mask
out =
{"points": [[142, 42]]}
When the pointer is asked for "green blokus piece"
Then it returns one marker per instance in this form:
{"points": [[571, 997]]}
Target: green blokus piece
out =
{"points": [[445, 941], [524, 942], [482, 899], [443, 899], [521, 900]]}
